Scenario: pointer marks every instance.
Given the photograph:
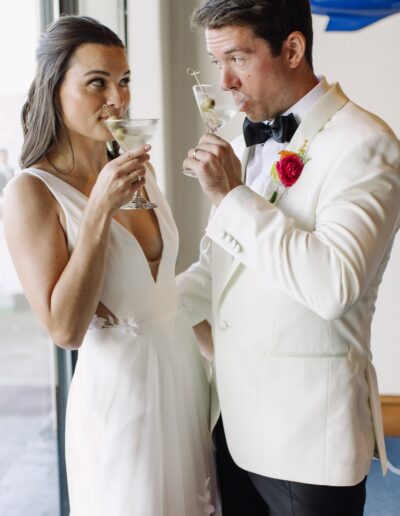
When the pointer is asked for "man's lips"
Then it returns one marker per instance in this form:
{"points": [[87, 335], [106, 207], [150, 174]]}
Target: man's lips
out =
{"points": [[245, 105]]}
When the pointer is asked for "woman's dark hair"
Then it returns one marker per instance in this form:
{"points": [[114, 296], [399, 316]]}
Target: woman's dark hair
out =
{"points": [[272, 20], [41, 119]]}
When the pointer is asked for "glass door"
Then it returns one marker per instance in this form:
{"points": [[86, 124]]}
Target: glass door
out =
{"points": [[28, 428]]}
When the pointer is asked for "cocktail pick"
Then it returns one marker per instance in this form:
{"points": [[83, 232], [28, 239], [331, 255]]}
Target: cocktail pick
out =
{"points": [[194, 74], [208, 103]]}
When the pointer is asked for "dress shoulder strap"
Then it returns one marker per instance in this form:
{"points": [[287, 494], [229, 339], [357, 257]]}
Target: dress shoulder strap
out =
{"points": [[70, 199]]}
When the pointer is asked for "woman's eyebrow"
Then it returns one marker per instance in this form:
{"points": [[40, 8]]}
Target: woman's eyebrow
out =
{"points": [[102, 72]]}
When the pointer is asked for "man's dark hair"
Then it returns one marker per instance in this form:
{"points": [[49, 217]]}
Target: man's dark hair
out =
{"points": [[272, 20]]}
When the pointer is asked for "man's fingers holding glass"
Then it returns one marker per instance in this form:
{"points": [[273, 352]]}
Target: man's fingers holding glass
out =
{"points": [[194, 153]]}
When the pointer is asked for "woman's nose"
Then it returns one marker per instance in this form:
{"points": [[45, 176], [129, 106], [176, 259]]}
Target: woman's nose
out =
{"points": [[115, 97]]}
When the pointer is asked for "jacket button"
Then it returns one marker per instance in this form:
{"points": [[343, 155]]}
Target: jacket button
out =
{"points": [[223, 325]]}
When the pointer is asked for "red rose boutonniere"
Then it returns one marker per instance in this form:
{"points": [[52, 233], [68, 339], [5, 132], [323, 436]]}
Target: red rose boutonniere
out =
{"points": [[286, 171]]}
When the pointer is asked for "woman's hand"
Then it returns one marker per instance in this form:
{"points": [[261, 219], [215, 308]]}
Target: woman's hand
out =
{"points": [[120, 179]]}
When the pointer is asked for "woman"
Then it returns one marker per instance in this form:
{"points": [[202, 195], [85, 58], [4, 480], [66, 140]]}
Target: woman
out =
{"points": [[101, 279]]}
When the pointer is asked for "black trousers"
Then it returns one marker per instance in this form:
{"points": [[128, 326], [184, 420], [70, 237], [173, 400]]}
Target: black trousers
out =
{"points": [[247, 494]]}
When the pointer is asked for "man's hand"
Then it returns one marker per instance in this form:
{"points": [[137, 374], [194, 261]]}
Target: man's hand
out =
{"points": [[216, 166]]}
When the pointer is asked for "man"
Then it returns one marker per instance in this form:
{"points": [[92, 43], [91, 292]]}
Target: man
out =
{"points": [[289, 268]]}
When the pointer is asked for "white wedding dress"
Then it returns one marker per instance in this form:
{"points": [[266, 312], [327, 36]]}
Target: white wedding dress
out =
{"points": [[137, 438]]}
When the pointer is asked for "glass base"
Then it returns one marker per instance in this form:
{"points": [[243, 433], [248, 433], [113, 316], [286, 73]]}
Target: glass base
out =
{"points": [[189, 173], [139, 204]]}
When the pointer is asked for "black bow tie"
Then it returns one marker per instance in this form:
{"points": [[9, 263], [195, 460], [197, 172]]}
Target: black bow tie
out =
{"points": [[282, 129]]}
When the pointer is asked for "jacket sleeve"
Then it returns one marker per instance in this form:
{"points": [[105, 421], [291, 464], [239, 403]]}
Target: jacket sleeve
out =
{"points": [[329, 268]]}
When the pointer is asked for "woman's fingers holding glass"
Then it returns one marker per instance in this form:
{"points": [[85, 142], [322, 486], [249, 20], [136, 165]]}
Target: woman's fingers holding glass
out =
{"points": [[126, 157], [133, 165], [137, 176], [129, 183], [126, 164]]}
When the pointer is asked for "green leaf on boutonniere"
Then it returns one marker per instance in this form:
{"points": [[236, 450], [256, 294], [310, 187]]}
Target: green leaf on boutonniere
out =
{"points": [[274, 172], [273, 197]]}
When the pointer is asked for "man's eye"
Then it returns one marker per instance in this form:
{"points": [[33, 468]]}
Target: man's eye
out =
{"points": [[216, 63], [237, 60], [125, 81]]}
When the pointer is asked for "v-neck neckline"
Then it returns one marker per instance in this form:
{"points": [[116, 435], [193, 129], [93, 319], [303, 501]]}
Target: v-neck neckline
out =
{"points": [[136, 241], [122, 228]]}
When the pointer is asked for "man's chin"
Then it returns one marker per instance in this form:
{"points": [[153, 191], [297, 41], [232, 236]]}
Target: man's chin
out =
{"points": [[256, 117]]}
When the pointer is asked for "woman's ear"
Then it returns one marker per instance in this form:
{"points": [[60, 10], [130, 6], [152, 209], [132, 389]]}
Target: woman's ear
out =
{"points": [[58, 112], [294, 48], [57, 100]]}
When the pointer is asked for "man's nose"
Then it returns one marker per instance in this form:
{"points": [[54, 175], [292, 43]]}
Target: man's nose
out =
{"points": [[228, 80]]}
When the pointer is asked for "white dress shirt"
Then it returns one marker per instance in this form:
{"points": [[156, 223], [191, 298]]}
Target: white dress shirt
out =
{"points": [[263, 155]]}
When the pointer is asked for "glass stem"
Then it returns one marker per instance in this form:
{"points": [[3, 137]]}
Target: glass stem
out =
{"points": [[138, 194]]}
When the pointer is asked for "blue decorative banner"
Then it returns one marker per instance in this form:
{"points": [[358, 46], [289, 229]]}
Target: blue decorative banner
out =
{"points": [[347, 15]]}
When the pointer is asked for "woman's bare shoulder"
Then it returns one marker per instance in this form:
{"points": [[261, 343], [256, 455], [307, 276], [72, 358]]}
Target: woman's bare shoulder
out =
{"points": [[24, 183], [27, 193]]}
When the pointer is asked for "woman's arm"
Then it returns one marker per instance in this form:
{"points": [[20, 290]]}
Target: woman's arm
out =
{"points": [[64, 290]]}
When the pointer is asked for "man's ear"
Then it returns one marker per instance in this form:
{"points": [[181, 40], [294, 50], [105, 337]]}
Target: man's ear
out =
{"points": [[294, 48]]}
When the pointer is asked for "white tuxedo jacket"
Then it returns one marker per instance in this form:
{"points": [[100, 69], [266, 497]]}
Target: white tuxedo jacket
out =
{"points": [[290, 292]]}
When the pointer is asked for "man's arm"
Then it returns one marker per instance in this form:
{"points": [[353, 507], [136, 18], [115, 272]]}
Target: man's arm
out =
{"points": [[330, 268]]}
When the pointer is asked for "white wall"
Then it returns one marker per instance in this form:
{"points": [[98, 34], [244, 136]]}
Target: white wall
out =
{"points": [[108, 12], [366, 63]]}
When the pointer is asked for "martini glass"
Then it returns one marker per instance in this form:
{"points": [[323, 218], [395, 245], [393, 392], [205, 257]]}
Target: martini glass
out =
{"points": [[217, 106], [130, 134]]}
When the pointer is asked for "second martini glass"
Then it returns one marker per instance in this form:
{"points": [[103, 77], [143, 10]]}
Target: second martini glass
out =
{"points": [[217, 106], [130, 134]]}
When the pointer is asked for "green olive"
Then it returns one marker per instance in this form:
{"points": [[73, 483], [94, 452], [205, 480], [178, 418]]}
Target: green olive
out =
{"points": [[119, 134], [208, 104]]}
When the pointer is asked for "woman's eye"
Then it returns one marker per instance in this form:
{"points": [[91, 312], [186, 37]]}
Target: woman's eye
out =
{"points": [[97, 82], [125, 81]]}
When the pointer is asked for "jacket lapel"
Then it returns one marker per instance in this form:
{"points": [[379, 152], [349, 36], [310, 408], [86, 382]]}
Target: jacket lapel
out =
{"points": [[320, 113]]}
